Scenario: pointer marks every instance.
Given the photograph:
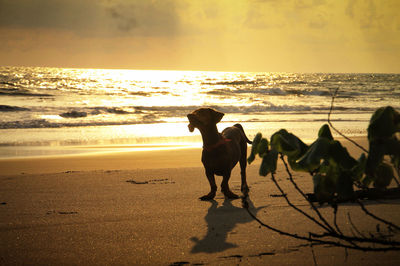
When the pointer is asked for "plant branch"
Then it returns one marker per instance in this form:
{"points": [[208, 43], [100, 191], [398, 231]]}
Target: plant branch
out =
{"points": [[335, 210], [329, 231], [330, 228], [284, 195], [313, 254], [354, 227], [337, 131], [312, 239], [351, 239], [376, 217]]}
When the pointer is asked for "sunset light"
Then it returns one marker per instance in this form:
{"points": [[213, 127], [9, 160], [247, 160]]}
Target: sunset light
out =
{"points": [[243, 35], [200, 132]]}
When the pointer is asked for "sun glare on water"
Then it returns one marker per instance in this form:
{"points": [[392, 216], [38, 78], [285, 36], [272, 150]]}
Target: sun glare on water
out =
{"points": [[140, 107]]}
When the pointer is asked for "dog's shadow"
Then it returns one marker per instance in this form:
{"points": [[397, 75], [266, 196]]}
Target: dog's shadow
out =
{"points": [[221, 220]]}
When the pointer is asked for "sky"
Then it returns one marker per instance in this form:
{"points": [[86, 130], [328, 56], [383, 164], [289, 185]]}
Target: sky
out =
{"points": [[220, 35]]}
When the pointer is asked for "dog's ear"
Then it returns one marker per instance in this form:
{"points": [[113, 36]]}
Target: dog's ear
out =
{"points": [[191, 118], [217, 116]]}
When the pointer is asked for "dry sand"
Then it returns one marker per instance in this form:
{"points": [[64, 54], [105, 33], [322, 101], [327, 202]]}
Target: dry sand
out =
{"points": [[142, 207]]}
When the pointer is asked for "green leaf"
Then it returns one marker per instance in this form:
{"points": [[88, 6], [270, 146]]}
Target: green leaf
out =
{"points": [[392, 146], [367, 180], [395, 161], [344, 186], [324, 188], [319, 150], [262, 147], [384, 175], [254, 148], [359, 169], [325, 132], [341, 155], [375, 157], [380, 148], [269, 162], [295, 166], [288, 144], [384, 123]]}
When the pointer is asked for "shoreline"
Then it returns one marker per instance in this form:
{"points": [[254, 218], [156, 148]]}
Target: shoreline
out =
{"points": [[30, 152], [112, 160], [125, 157], [74, 140]]}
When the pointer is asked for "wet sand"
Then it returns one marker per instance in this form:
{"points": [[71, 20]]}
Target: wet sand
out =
{"points": [[142, 207]]}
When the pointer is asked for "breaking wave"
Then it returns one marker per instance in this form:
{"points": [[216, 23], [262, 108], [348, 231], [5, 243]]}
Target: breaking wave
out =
{"points": [[8, 108], [46, 98], [152, 114]]}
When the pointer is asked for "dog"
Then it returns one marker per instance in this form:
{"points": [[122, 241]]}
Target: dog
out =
{"points": [[221, 151]]}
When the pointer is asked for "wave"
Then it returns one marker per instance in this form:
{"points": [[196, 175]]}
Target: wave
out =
{"points": [[19, 92], [94, 111], [73, 114], [147, 119], [266, 107], [259, 81], [91, 116], [8, 108], [6, 82], [232, 83], [270, 91], [43, 123], [114, 110]]}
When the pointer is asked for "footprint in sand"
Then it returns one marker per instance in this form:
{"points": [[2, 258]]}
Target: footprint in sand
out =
{"points": [[151, 182], [61, 212]]}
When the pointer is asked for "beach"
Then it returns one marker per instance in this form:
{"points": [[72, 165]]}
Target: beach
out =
{"points": [[142, 208], [106, 107]]}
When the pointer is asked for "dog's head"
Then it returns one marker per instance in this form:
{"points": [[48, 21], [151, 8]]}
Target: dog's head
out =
{"points": [[203, 117]]}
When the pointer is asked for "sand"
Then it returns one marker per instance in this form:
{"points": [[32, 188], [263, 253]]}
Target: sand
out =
{"points": [[142, 207]]}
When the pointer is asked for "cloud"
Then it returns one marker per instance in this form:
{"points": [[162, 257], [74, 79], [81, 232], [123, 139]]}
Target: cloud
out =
{"points": [[199, 34], [149, 18], [319, 21], [350, 8], [374, 14], [71, 15], [291, 14], [92, 17], [124, 20]]}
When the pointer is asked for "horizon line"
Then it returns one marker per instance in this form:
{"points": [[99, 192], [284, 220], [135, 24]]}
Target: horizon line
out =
{"points": [[195, 70]]}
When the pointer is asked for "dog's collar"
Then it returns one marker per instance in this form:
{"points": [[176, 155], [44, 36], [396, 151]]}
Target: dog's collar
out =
{"points": [[221, 142]]}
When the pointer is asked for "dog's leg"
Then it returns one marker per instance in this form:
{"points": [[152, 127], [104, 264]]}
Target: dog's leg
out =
{"points": [[225, 187], [243, 163], [213, 186]]}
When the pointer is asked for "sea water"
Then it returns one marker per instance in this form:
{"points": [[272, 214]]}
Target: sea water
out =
{"points": [[46, 111]]}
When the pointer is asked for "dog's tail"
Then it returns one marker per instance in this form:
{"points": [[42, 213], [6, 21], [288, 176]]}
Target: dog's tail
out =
{"points": [[239, 126]]}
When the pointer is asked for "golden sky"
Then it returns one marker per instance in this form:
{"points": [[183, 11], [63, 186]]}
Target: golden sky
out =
{"points": [[226, 35]]}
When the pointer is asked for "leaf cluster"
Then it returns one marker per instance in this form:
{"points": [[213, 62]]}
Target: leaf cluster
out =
{"points": [[334, 171], [383, 137]]}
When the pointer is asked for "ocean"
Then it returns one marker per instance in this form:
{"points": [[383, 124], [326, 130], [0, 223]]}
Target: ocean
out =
{"points": [[50, 111]]}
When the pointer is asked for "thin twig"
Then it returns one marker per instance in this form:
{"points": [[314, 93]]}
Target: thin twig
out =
{"points": [[284, 195], [376, 217], [333, 233], [331, 229], [311, 239], [313, 254], [351, 240], [336, 208], [337, 131], [354, 227]]}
